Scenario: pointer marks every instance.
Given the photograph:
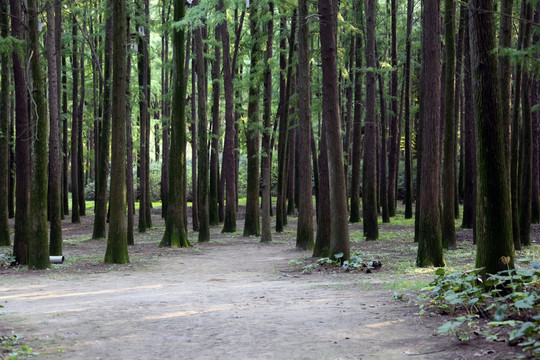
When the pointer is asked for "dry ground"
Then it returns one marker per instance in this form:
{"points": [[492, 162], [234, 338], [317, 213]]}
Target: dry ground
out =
{"points": [[232, 298]]}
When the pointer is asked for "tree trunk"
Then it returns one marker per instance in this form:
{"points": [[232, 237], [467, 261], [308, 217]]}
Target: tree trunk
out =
{"points": [[383, 191], [213, 195], [281, 214], [175, 230], [144, 118], [339, 236], [525, 172], [324, 223], [5, 169], [202, 180], [80, 147], [251, 224], [266, 166], [535, 99], [75, 208], [469, 199], [304, 232], [229, 160], [100, 219], [116, 251], [369, 182], [130, 192], [493, 218], [194, 157], [449, 154], [65, 152], [357, 126], [166, 111], [22, 142], [393, 155], [55, 155], [408, 153], [429, 236], [38, 250]]}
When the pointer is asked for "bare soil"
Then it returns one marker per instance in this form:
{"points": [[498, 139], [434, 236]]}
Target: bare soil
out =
{"points": [[232, 298]]}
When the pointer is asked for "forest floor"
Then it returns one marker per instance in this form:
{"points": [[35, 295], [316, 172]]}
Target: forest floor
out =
{"points": [[231, 298]]}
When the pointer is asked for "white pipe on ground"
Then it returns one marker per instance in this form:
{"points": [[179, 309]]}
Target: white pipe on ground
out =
{"points": [[57, 259]]}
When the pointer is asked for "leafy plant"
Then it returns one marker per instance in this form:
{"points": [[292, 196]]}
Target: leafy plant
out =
{"points": [[510, 298], [7, 259]]}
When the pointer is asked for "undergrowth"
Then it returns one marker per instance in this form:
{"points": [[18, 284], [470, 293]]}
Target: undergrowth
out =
{"points": [[507, 303]]}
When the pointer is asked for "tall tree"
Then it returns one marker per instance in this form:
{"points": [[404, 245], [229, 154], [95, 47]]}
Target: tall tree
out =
{"points": [[38, 250], [166, 108], [369, 183], [229, 158], [304, 232], [251, 224], [116, 251], [383, 191], [80, 116], [100, 217], [4, 131], [202, 180], [525, 171], [130, 191], [429, 236], [339, 236], [408, 156], [357, 122], [393, 155], [266, 234], [175, 230], [449, 154], [75, 208], [493, 218], [213, 194], [55, 155], [22, 141]]}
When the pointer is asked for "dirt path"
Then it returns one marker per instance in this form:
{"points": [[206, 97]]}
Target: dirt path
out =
{"points": [[219, 301]]}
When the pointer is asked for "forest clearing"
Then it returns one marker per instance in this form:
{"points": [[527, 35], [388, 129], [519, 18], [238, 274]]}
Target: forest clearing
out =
{"points": [[234, 298]]}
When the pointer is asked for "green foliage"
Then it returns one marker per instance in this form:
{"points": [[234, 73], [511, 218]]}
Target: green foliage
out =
{"points": [[355, 263], [7, 259], [510, 298], [12, 349]]}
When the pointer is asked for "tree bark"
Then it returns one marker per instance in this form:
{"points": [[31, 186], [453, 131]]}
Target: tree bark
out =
{"points": [[383, 191], [38, 250], [304, 230], [175, 230], [324, 223], [213, 195], [394, 140], [493, 218], [5, 169], [430, 237], [339, 236], [144, 118], [266, 166], [75, 208], [116, 251], [22, 142], [55, 155], [408, 153], [130, 191], [251, 224], [369, 182], [100, 218], [449, 155], [202, 180]]}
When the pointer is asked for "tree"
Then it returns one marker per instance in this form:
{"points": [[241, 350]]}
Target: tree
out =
{"points": [[493, 217], [202, 180], [339, 236], [100, 217], [429, 232], [266, 234], [369, 182], [213, 193], [55, 155], [116, 251], [75, 208], [393, 155], [4, 131], [251, 224], [22, 141], [449, 154], [304, 232], [357, 123], [175, 230], [38, 250], [229, 158], [408, 158]]}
